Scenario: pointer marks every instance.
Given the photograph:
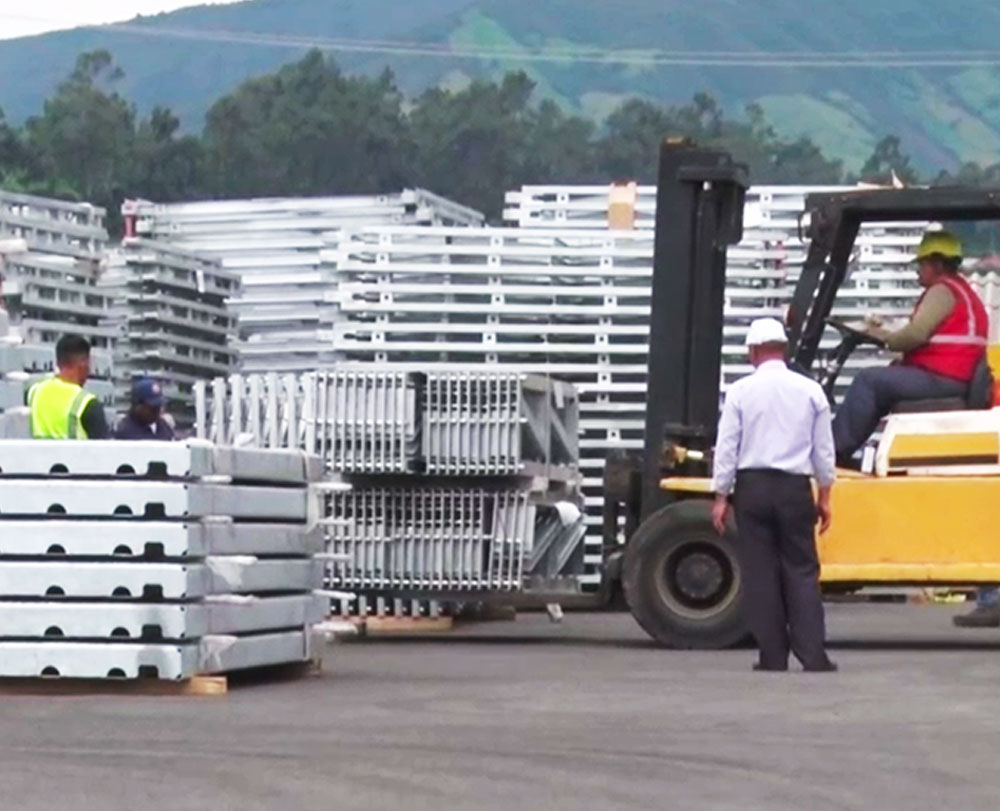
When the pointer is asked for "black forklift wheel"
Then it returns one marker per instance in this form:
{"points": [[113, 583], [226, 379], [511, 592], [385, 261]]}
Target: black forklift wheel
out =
{"points": [[682, 579]]}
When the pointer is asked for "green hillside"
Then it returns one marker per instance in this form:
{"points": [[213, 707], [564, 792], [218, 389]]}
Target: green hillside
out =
{"points": [[945, 113]]}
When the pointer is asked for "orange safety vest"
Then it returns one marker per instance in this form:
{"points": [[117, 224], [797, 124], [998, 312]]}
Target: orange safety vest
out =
{"points": [[959, 342]]}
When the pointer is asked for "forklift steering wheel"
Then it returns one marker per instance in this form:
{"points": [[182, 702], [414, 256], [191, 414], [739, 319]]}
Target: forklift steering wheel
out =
{"points": [[856, 336]]}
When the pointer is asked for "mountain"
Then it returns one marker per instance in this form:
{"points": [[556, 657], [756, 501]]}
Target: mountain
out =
{"points": [[935, 85]]}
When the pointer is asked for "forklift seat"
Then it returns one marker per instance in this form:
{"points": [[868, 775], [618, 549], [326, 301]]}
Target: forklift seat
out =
{"points": [[979, 396]]}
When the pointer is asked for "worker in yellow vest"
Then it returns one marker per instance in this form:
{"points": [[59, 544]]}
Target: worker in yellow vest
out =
{"points": [[60, 407]]}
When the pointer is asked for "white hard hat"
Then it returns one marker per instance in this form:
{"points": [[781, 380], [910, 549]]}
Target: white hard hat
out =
{"points": [[766, 331]]}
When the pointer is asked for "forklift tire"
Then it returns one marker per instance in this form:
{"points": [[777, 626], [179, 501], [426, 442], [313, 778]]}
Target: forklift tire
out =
{"points": [[682, 580]]}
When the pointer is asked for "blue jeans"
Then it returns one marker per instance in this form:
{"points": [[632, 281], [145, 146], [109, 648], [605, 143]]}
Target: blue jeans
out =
{"points": [[874, 392], [988, 597]]}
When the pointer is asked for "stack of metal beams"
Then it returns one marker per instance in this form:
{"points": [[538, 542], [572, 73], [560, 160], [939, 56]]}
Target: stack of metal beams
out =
{"points": [[461, 482], [565, 296], [155, 559], [50, 259], [172, 320], [54, 226], [276, 246]]}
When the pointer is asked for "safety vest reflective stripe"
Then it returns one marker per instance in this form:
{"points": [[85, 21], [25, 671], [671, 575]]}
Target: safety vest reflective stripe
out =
{"points": [[73, 427], [966, 340]]}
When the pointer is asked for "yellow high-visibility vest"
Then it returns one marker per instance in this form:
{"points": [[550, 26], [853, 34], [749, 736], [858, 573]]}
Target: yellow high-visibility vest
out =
{"points": [[56, 408]]}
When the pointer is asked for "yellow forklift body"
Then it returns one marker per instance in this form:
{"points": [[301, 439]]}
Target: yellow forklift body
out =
{"points": [[904, 529]]}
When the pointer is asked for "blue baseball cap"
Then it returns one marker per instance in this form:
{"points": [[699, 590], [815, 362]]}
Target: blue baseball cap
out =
{"points": [[147, 391]]}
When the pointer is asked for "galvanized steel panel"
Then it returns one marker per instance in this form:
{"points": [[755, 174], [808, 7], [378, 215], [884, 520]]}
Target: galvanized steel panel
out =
{"points": [[157, 621], [190, 459], [96, 660], [160, 581], [21, 497], [123, 539]]}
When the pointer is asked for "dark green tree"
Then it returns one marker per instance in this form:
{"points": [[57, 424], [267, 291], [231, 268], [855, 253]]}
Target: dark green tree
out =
{"points": [[309, 129], [165, 167], [14, 158], [888, 159], [84, 137], [635, 130]]}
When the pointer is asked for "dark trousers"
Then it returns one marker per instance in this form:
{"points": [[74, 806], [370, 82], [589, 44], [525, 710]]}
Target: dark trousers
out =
{"points": [[776, 520], [873, 394]]}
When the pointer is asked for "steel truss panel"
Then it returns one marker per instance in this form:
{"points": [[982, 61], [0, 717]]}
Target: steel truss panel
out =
{"points": [[378, 422], [20, 497], [494, 424], [452, 539], [155, 539], [158, 621], [96, 660], [161, 581], [190, 459]]}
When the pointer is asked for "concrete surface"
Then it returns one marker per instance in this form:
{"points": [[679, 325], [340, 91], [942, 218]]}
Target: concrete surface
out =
{"points": [[530, 715]]}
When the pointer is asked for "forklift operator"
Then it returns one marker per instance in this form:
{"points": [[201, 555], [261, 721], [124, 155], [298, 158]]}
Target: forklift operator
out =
{"points": [[942, 344]]}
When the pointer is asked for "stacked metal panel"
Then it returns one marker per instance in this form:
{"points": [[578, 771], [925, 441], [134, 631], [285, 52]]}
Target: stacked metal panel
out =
{"points": [[276, 246], [485, 423], [172, 320], [573, 302], [48, 296], [462, 481], [54, 226], [50, 260], [153, 559]]}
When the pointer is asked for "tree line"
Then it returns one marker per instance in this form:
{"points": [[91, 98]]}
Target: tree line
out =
{"points": [[311, 129]]}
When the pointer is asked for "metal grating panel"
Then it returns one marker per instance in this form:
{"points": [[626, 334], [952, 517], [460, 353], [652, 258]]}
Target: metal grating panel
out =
{"points": [[451, 539]]}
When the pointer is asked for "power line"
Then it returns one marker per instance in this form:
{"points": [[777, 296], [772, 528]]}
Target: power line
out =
{"points": [[860, 59], [571, 54]]}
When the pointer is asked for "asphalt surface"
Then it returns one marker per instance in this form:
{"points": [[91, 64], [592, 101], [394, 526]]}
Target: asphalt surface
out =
{"points": [[531, 715]]}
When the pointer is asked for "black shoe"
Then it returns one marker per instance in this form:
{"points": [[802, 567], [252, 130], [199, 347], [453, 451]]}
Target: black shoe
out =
{"points": [[982, 616], [760, 668], [823, 667]]}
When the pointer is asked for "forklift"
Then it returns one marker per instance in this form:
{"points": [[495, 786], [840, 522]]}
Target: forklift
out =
{"points": [[918, 515]]}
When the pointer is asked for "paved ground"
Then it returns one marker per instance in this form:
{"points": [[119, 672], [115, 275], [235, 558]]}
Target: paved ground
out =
{"points": [[530, 715]]}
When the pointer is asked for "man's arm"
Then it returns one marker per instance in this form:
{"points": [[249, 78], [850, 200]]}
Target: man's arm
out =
{"points": [[823, 458], [936, 306], [93, 421], [727, 452]]}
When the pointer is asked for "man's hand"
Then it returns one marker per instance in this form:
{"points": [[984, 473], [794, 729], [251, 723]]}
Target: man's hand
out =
{"points": [[824, 511], [720, 511]]}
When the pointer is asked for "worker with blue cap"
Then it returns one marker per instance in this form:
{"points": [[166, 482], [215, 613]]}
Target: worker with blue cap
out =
{"points": [[145, 416]]}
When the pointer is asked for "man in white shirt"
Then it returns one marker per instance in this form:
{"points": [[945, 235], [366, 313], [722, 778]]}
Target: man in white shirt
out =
{"points": [[775, 434]]}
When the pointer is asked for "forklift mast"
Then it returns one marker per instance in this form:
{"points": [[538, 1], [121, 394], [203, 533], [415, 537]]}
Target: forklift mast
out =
{"points": [[699, 213]]}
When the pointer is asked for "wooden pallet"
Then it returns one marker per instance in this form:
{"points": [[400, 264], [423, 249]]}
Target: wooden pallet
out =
{"points": [[201, 686], [46, 686]]}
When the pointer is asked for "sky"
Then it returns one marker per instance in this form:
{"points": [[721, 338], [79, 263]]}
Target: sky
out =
{"points": [[19, 18]]}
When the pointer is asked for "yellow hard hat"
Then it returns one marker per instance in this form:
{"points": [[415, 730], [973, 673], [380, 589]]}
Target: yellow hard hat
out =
{"points": [[940, 243]]}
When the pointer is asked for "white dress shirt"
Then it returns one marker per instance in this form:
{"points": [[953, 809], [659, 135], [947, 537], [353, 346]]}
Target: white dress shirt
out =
{"points": [[774, 419]]}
